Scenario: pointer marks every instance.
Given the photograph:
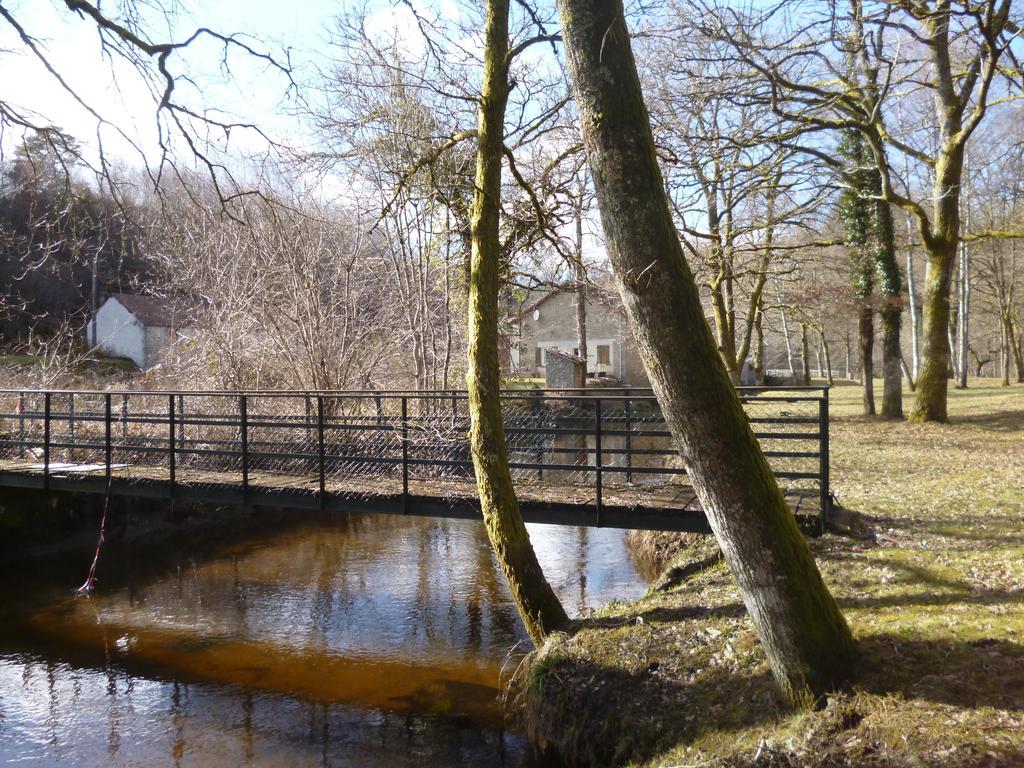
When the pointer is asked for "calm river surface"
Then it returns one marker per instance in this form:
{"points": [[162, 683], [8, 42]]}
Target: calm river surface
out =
{"points": [[357, 641]]}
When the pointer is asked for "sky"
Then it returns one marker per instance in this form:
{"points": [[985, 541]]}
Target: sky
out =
{"points": [[252, 92]]}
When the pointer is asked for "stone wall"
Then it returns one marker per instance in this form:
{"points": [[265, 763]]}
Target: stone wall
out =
{"points": [[563, 371], [555, 328]]}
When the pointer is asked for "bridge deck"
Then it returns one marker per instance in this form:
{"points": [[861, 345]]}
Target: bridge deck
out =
{"points": [[666, 506]]}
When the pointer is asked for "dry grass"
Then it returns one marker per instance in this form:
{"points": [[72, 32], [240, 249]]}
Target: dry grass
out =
{"points": [[930, 576]]}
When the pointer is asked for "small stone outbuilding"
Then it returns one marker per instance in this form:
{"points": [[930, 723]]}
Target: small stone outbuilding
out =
{"points": [[139, 328], [563, 371]]}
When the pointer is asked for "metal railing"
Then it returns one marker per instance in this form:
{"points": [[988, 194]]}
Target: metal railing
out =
{"points": [[349, 443]]}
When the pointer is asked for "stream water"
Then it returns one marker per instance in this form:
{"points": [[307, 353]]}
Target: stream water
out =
{"points": [[354, 641]]}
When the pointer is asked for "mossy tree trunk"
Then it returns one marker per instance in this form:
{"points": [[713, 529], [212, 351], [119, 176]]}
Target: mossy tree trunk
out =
{"points": [[804, 635], [866, 334], [940, 232], [933, 382], [538, 606], [759, 377], [891, 311], [1017, 346]]}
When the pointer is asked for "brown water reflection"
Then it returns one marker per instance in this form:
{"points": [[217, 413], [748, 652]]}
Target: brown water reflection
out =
{"points": [[362, 640]]}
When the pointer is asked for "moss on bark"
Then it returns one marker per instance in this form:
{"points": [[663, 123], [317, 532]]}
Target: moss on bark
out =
{"points": [[538, 605], [933, 383], [800, 627]]}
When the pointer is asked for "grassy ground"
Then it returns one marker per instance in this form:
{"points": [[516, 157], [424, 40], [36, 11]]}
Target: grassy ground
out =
{"points": [[930, 575], [20, 368]]}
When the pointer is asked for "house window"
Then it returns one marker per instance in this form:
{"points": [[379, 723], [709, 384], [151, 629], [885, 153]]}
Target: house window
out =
{"points": [[604, 354], [538, 358]]}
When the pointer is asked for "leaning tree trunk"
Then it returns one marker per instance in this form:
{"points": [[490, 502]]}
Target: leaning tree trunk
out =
{"points": [[805, 637], [538, 606], [891, 312]]}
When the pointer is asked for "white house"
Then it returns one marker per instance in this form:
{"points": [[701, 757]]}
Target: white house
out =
{"points": [[139, 328]]}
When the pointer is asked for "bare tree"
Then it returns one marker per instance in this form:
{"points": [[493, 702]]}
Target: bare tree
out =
{"points": [[948, 51]]}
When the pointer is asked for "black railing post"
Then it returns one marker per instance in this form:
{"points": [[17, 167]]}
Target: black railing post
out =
{"points": [[629, 441], [107, 446], [21, 424], [405, 454], [46, 440], [124, 420], [172, 461], [597, 457], [309, 419], [243, 416], [538, 408], [823, 458], [322, 475], [181, 421], [71, 426]]}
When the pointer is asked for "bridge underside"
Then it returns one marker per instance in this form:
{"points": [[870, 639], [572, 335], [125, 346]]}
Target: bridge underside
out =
{"points": [[664, 506]]}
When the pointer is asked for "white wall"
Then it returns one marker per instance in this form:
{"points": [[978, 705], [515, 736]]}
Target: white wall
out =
{"points": [[119, 333]]}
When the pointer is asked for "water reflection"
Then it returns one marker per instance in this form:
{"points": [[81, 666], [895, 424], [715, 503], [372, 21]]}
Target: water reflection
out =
{"points": [[363, 640], [58, 713]]}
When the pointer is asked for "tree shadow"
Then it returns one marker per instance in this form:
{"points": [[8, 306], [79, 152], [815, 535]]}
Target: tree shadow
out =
{"points": [[602, 715], [975, 674], [851, 528], [664, 615], [997, 421]]}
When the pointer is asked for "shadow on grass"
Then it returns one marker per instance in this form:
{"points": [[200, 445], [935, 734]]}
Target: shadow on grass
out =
{"points": [[974, 674], [599, 715], [997, 421], [971, 528], [931, 599]]}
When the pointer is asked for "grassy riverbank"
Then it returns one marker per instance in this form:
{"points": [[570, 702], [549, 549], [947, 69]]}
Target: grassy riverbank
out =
{"points": [[930, 576]]}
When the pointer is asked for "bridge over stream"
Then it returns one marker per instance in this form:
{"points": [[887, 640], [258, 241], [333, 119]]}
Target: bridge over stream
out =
{"points": [[599, 457]]}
